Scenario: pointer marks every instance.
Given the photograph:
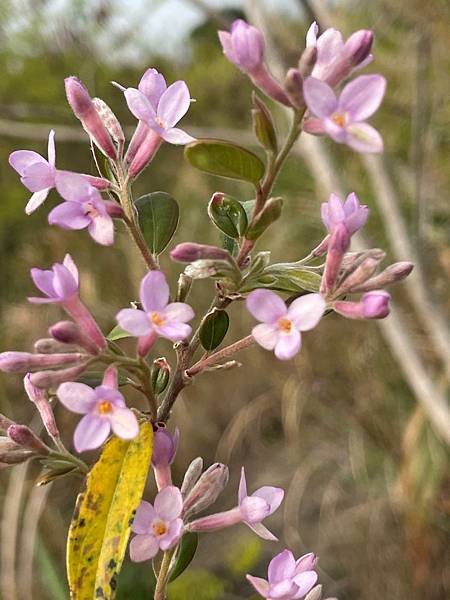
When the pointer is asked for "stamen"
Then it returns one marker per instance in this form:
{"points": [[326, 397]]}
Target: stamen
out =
{"points": [[159, 528], [285, 325], [157, 319], [339, 119], [104, 407]]}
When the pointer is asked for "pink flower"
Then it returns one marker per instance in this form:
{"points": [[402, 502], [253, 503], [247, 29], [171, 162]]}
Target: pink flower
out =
{"points": [[336, 60], [288, 579], [251, 510], [36, 173], [343, 118], [160, 107], [158, 317], [373, 305], [84, 207], [351, 213], [104, 409], [158, 527], [281, 326]]}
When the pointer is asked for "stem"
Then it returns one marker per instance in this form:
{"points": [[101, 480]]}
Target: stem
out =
{"points": [[201, 365], [163, 576], [147, 388]]}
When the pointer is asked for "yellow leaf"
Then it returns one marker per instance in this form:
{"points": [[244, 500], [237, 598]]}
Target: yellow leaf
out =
{"points": [[104, 511]]}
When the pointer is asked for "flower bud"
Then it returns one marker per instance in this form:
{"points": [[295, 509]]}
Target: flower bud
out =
{"points": [[392, 274], [110, 121], [293, 85], [307, 61], [207, 489], [7, 445], [358, 46], [244, 45], [165, 446], [184, 287], [84, 109], [189, 252], [48, 379], [39, 398], [145, 152], [16, 362], [11, 453], [373, 305], [5, 423], [68, 332], [360, 273], [50, 346], [23, 436], [160, 375], [337, 245], [113, 209], [315, 593], [191, 476]]}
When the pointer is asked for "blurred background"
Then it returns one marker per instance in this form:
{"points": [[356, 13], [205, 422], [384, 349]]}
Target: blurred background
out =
{"points": [[356, 429]]}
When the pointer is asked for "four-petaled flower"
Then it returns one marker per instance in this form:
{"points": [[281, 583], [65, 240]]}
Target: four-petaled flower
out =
{"points": [[160, 107], [36, 173], [244, 45], [104, 409], [84, 207], [281, 326], [343, 118], [288, 579], [158, 527], [59, 284], [158, 317], [351, 213]]}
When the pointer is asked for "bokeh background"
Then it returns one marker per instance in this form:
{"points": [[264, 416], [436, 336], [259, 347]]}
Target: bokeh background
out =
{"points": [[356, 428]]}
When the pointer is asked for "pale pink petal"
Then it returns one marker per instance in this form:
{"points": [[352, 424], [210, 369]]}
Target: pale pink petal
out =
{"points": [[105, 392], [266, 335], [69, 215], [101, 229], [305, 582], [305, 312], [288, 345], [265, 305], [272, 495], [262, 531], [73, 187], [77, 397], [282, 590], [124, 423], [43, 280], [143, 519], [169, 503], [335, 131], [319, 97], [143, 547], [336, 213], [172, 536], [311, 35], [253, 509], [178, 311], [260, 585], [176, 136], [51, 148], [282, 566], [38, 176], [63, 282], [90, 433], [36, 200], [329, 45], [362, 96], [351, 204], [242, 493], [139, 105], [174, 104], [22, 159], [154, 292], [134, 321], [362, 137], [307, 562], [227, 46], [152, 85], [174, 331], [314, 127], [70, 265]]}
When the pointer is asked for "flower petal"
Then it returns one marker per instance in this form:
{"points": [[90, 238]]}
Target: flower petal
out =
{"points": [[154, 292], [90, 433], [43, 280], [242, 493], [319, 97], [145, 514], [134, 321], [265, 305], [282, 590], [282, 566], [305, 582], [174, 104], [362, 96], [362, 137], [254, 509], [101, 229], [169, 503], [266, 335], [311, 34], [139, 105], [73, 187], [272, 495], [69, 215], [329, 45], [143, 547], [36, 200], [305, 312], [51, 154], [288, 345], [314, 127], [22, 159], [70, 265], [336, 132], [260, 585], [227, 46], [124, 423], [262, 531], [172, 536], [63, 282], [178, 311], [77, 397], [177, 136], [307, 562], [38, 176], [152, 85], [174, 331]]}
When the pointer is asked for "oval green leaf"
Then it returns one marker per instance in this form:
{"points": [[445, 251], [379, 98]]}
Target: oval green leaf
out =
{"points": [[214, 329], [224, 159], [104, 512], [185, 554], [158, 218], [228, 215]]}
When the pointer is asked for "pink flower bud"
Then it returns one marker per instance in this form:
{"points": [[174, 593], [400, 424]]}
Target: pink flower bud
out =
{"points": [[373, 305], [165, 446], [360, 273], [48, 379], [392, 274], [84, 109], [144, 152], [190, 252], [307, 61], [293, 85], [68, 332], [358, 46], [191, 476], [110, 121], [244, 45], [207, 489], [17, 362], [113, 209], [5, 422], [23, 436], [39, 398], [50, 346], [84, 319], [338, 244]]}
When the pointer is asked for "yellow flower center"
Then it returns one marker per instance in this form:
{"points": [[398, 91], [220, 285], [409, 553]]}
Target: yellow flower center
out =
{"points": [[285, 325], [339, 119], [157, 319], [104, 407], [159, 528], [160, 122]]}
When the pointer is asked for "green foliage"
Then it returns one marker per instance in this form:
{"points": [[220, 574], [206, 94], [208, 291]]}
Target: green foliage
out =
{"points": [[244, 555], [214, 329], [199, 584], [158, 217]]}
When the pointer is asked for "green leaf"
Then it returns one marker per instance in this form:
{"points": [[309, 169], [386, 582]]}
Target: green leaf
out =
{"points": [[225, 160], [270, 213], [95, 378], [158, 218], [263, 125], [185, 554], [288, 279], [214, 329], [104, 511], [117, 333], [228, 215]]}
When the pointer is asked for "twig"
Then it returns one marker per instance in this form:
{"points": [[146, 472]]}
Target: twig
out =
{"points": [[213, 359]]}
